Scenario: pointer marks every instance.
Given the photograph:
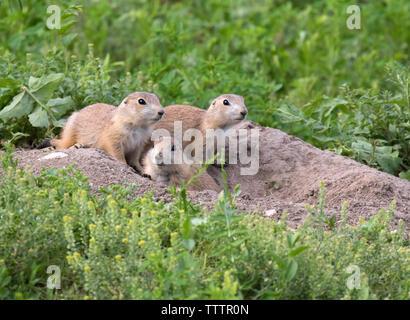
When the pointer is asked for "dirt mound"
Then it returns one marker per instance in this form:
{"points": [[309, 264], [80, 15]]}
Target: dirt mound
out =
{"points": [[288, 178], [291, 170]]}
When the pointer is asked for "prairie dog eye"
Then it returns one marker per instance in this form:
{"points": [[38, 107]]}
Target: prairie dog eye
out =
{"points": [[141, 101], [173, 148], [226, 102]]}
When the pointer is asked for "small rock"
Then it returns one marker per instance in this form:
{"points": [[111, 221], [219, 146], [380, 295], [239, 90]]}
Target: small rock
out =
{"points": [[54, 155], [270, 213]]}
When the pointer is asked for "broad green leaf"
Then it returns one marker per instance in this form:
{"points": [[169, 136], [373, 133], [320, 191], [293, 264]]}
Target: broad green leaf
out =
{"points": [[291, 270], [187, 229], [295, 239], [9, 83], [405, 175], [8, 88], [59, 123], [388, 159], [21, 105], [60, 106], [289, 240], [66, 26], [44, 87], [362, 146], [324, 139], [290, 113], [298, 250], [330, 105], [238, 242], [68, 39], [292, 239], [6, 94], [276, 87], [39, 118]]}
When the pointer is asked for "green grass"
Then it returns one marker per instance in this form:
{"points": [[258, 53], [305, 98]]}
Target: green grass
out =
{"points": [[116, 247]]}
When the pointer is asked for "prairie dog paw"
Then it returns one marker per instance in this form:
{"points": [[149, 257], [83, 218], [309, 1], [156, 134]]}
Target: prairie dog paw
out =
{"points": [[146, 176], [77, 146], [138, 170]]}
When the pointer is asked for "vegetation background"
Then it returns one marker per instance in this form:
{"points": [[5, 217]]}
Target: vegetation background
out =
{"points": [[299, 68]]}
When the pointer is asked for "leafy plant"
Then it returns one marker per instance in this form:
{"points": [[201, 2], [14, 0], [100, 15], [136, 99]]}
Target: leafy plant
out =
{"points": [[319, 213], [372, 127], [35, 101]]}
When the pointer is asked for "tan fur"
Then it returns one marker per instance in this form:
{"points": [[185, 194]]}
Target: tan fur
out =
{"points": [[172, 173], [120, 131], [218, 116]]}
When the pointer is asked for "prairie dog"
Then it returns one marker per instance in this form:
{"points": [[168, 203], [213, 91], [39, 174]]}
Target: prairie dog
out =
{"points": [[159, 164], [120, 131], [224, 112]]}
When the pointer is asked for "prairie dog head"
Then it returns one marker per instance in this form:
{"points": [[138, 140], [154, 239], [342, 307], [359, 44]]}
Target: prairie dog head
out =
{"points": [[162, 154], [226, 111], [143, 106]]}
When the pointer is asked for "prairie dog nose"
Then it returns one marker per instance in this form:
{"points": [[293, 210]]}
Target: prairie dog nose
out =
{"points": [[244, 113], [161, 113]]}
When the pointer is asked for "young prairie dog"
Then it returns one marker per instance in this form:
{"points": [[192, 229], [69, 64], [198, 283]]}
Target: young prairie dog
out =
{"points": [[159, 164], [224, 112], [121, 131]]}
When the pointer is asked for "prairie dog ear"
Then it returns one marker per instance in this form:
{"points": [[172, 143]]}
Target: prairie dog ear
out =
{"points": [[124, 102], [213, 103]]}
